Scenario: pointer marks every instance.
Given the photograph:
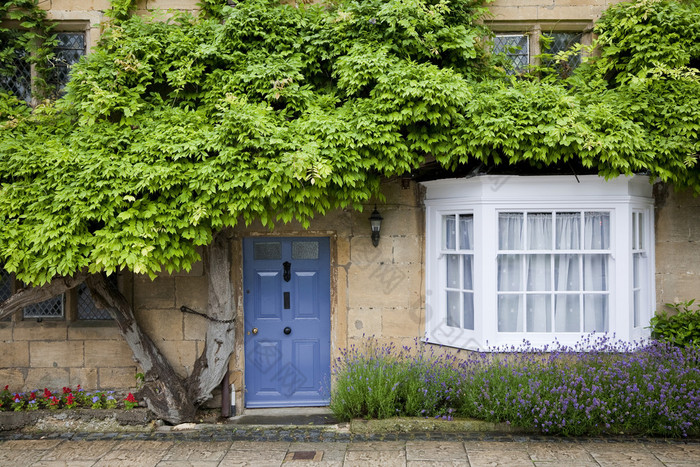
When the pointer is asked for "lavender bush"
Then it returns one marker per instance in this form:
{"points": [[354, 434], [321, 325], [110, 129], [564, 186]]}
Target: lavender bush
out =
{"points": [[599, 386]]}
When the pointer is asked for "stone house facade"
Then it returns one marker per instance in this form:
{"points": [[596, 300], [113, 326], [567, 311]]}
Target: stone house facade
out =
{"points": [[629, 249]]}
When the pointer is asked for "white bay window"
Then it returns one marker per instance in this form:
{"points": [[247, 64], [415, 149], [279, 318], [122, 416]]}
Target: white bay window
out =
{"points": [[538, 258]]}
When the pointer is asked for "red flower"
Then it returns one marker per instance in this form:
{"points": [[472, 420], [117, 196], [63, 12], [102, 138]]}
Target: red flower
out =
{"points": [[66, 390], [7, 386], [47, 393], [32, 395], [54, 400], [17, 398], [70, 399], [130, 398]]}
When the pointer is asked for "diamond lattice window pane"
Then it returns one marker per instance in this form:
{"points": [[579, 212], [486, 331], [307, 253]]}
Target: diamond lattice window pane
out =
{"points": [[515, 47], [87, 309], [561, 42], [5, 288], [17, 77], [51, 308], [69, 48]]}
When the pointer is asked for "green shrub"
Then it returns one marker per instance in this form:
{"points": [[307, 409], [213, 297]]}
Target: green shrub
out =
{"points": [[680, 328]]}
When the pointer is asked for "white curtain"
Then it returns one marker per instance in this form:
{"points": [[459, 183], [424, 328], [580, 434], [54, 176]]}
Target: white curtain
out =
{"points": [[553, 274]]}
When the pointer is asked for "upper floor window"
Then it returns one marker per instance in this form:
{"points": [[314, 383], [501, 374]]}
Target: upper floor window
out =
{"points": [[521, 48], [516, 48], [17, 78], [540, 258]]}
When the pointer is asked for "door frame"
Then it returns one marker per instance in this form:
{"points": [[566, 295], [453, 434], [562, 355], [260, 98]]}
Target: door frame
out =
{"points": [[338, 305]]}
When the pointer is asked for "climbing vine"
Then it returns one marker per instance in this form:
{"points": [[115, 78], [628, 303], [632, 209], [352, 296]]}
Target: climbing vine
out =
{"points": [[172, 130]]}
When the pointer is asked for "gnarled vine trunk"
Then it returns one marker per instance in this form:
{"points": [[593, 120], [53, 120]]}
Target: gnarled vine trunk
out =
{"points": [[166, 394]]}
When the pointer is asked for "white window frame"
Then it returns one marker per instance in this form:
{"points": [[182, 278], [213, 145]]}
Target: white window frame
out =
{"points": [[484, 197]]}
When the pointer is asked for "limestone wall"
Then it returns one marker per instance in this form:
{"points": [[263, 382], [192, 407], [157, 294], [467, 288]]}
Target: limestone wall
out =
{"points": [[677, 224]]}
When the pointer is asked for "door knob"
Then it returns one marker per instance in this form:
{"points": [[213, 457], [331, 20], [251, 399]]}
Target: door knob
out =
{"points": [[287, 330], [255, 330]]}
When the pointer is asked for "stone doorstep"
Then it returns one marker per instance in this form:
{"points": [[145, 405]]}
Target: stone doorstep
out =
{"points": [[79, 419]]}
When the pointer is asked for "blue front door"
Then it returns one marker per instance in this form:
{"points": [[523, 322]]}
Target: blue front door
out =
{"points": [[286, 284]]}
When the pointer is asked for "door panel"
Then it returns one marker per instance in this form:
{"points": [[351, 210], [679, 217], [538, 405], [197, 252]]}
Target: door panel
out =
{"points": [[286, 285]]}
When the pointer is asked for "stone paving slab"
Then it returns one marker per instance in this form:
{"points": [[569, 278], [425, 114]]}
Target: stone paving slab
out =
{"points": [[209, 447]]}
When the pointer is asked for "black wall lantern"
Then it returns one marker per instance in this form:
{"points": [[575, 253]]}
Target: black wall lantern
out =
{"points": [[375, 221]]}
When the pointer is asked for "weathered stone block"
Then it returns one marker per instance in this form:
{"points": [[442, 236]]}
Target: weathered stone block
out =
{"points": [[678, 258], [85, 377], [14, 354], [6, 331], [33, 331], [402, 221], [339, 323], [117, 378], [363, 253], [195, 327], [401, 323], [408, 249], [39, 378], [13, 377], [192, 292], [76, 5], [161, 324], [157, 293], [93, 331], [674, 288], [100, 354], [64, 354], [384, 286], [364, 323], [172, 4], [343, 249]]}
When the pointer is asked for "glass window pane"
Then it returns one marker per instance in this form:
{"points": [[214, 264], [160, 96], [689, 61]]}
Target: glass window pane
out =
{"points": [[515, 47], [595, 313], [510, 317], [640, 226], [596, 234], [539, 272], [567, 317], [595, 272], [636, 258], [510, 231], [635, 243], [468, 272], [468, 310], [509, 272], [539, 231], [452, 262], [86, 305], [566, 272], [539, 313], [453, 309], [267, 250], [637, 307], [5, 284], [305, 250], [568, 234], [466, 231], [561, 42], [448, 232], [51, 308]]}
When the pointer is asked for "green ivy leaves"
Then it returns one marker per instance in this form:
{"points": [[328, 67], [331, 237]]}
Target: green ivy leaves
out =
{"points": [[173, 129]]}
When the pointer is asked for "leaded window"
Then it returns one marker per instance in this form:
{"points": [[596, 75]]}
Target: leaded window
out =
{"points": [[69, 48], [87, 309], [51, 308], [561, 42], [516, 48]]}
